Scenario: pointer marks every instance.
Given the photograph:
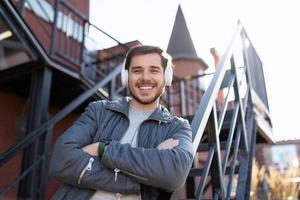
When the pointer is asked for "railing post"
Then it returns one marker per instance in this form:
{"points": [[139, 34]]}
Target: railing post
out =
{"points": [[54, 28], [39, 101], [194, 95], [45, 162], [182, 97], [251, 156], [84, 30], [245, 174], [22, 7]]}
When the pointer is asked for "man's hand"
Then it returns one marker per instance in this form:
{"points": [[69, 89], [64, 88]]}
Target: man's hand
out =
{"points": [[168, 144], [91, 149]]}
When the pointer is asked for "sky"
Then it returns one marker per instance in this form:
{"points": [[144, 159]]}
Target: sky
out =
{"points": [[272, 25]]}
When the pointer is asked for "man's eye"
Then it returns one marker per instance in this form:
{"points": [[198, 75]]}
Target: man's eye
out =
{"points": [[155, 71], [136, 71]]}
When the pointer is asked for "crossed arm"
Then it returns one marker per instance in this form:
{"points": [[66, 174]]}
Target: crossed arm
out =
{"points": [[73, 150], [68, 159], [92, 149], [66, 167], [163, 167]]}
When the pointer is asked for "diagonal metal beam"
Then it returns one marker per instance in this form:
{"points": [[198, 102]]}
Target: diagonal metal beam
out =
{"points": [[64, 112], [205, 174], [233, 162], [226, 101], [216, 168], [230, 136], [239, 101]]}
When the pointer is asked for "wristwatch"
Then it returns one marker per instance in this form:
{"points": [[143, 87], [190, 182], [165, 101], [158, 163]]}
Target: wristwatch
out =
{"points": [[102, 144]]}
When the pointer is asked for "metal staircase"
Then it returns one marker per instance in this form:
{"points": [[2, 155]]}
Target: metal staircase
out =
{"points": [[83, 63], [227, 132]]}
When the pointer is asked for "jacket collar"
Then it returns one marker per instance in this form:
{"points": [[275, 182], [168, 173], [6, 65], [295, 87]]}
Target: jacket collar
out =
{"points": [[161, 114]]}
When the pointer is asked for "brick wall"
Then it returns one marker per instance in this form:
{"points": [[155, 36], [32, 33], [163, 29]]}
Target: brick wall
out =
{"points": [[11, 108], [12, 111]]}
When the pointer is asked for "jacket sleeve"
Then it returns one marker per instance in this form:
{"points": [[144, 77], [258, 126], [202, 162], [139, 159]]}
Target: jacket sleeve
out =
{"points": [[166, 169], [71, 165]]}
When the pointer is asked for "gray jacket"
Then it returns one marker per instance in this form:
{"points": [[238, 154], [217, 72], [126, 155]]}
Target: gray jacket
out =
{"points": [[144, 169]]}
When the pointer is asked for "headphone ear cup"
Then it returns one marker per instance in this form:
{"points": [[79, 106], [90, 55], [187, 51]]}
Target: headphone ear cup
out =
{"points": [[169, 73], [124, 75]]}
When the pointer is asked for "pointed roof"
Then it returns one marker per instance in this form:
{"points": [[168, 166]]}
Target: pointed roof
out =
{"points": [[180, 43]]}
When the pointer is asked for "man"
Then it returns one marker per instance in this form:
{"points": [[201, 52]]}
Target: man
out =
{"points": [[130, 148]]}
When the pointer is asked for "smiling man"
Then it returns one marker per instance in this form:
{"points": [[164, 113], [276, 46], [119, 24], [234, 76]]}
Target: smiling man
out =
{"points": [[146, 80], [130, 148]]}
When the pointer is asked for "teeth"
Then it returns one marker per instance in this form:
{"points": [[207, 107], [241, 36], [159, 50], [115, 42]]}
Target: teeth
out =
{"points": [[145, 88]]}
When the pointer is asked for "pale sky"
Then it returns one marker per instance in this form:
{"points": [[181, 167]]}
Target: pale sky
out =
{"points": [[272, 25]]}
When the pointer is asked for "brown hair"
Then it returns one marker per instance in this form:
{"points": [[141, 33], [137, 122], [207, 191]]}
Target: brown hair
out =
{"points": [[146, 49]]}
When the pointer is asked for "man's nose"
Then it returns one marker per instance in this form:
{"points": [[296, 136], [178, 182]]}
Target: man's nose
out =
{"points": [[146, 75]]}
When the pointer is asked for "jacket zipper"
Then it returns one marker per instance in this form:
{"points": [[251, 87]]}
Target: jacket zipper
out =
{"points": [[116, 170], [88, 167], [134, 175]]}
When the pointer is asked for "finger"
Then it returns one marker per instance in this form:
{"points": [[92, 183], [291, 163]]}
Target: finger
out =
{"points": [[169, 140], [176, 142]]}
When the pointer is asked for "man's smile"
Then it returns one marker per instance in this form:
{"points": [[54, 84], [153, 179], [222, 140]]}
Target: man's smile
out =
{"points": [[145, 87]]}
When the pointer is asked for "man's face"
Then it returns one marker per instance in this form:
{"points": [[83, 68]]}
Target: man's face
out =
{"points": [[146, 78]]}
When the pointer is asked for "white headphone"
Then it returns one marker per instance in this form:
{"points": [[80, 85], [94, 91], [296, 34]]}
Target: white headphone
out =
{"points": [[168, 71]]}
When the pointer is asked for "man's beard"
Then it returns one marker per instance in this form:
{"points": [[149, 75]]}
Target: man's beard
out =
{"points": [[158, 94]]}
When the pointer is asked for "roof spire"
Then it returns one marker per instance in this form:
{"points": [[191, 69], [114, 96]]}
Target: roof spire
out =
{"points": [[180, 43]]}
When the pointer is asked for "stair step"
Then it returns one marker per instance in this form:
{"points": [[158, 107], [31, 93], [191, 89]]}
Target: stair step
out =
{"points": [[205, 146], [198, 171]]}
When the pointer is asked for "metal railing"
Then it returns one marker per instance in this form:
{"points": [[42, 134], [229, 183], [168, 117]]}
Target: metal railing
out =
{"points": [[230, 147], [185, 95], [74, 41], [77, 44], [44, 131]]}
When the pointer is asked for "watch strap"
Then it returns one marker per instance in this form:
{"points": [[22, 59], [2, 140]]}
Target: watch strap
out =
{"points": [[101, 146]]}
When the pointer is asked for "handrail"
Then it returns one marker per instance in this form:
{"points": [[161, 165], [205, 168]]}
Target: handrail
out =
{"points": [[206, 105], [241, 133], [80, 27], [42, 52], [87, 24], [57, 117], [109, 36], [70, 7], [191, 89]]}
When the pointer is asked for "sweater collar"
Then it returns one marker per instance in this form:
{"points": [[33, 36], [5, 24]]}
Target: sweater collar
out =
{"points": [[160, 114]]}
